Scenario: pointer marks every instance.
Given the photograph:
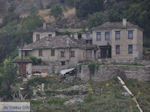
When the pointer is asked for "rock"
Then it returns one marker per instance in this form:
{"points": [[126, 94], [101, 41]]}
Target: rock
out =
{"points": [[61, 96], [76, 87], [125, 94], [75, 100]]}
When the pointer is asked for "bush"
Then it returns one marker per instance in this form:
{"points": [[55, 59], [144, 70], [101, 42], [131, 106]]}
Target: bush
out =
{"points": [[56, 100], [66, 32], [35, 60], [96, 19], [37, 101], [56, 11]]}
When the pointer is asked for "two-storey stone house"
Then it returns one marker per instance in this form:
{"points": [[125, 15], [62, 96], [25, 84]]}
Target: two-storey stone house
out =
{"points": [[118, 40], [60, 51]]}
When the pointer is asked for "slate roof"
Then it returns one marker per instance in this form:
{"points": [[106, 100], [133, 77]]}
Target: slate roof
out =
{"points": [[22, 61], [115, 25], [58, 42]]}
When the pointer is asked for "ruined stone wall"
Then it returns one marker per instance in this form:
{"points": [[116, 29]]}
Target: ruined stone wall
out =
{"points": [[108, 72]]}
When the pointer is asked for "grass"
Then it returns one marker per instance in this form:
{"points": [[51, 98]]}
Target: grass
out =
{"points": [[104, 97]]}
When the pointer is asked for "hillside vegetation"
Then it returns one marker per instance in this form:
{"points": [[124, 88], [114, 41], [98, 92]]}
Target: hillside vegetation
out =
{"points": [[87, 96]]}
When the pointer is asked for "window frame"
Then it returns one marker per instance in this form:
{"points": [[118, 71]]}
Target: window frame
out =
{"points": [[130, 52], [129, 31], [98, 36], [117, 46], [117, 32], [40, 52], [72, 54], [106, 38], [87, 35], [62, 54], [52, 52], [63, 63]]}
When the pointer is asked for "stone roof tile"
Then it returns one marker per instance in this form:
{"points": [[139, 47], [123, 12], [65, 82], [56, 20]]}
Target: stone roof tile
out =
{"points": [[58, 42]]}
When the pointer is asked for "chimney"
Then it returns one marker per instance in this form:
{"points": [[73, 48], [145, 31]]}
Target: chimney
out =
{"points": [[44, 26], [124, 21]]}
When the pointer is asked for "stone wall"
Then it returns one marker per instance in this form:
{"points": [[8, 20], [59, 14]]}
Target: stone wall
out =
{"points": [[108, 72]]}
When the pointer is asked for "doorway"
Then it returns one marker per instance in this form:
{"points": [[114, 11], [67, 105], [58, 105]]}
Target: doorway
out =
{"points": [[105, 52]]}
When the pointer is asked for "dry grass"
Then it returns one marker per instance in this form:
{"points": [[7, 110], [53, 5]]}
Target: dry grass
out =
{"points": [[69, 13]]}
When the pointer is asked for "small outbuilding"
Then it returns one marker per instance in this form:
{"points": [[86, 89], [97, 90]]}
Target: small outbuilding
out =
{"points": [[25, 66]]}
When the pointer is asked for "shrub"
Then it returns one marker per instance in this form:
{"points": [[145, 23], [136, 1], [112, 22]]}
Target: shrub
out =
{"points": [[56, 11], [37, 101], [56, 100], [96, 19], [35, 60]]}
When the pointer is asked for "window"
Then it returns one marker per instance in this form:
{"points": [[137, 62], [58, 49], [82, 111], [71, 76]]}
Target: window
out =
{"points": [[26, 53], [130, 34], [52, 52], [49, 35], [107, 35], [62, 54], [117, 35], [117, 49], [37, 37], [88, 41], [72, 54], [130, 49], [40, 52], [63, 63], [98, 36], [79, 35], [87, 35]]}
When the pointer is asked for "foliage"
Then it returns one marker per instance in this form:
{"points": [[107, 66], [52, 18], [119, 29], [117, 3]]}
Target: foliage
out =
{"points": [[86, 7], [102, 99], [35, 60], [93, 67], [66, 32], [96, 19], [13, 29], [69, 3], [8, 77], [114, 15], [10, 17], [56, 11], [56, 100]]}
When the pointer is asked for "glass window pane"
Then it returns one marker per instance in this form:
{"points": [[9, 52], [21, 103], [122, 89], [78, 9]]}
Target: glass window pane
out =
{"points": [[98, 36], [130, 34], [117, 35], [117, 49], [130, 49], [107, 35]]}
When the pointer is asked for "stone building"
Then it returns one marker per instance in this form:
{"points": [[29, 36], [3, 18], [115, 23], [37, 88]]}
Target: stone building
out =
{"points": [[46, 31], [118, 40], [115, 41], [24, 65], [60, 52]]}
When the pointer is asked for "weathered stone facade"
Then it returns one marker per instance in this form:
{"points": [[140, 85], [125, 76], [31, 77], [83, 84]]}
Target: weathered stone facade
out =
{"points": [[108, 72], [60, 52], [110, 42], [125, 40]]}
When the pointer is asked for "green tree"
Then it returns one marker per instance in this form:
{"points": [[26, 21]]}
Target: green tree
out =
{"points": [[8, 77], [114, 15], [56, 11], [96, 19], [86, 7]]}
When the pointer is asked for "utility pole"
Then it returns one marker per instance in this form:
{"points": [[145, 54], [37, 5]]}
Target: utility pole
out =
{"points": [[22, 50]]}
